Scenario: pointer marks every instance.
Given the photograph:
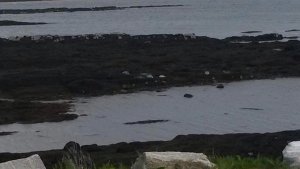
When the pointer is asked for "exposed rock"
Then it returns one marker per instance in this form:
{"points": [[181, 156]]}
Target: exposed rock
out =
{"points": [[5, 133], [265, 37], [146, 122], [79, 158], [188, 95], [67, 75], [162, 76], [126, 73], [70, 146], [32, 162], [172, 160], [34, 112], [292, 37], [293, 30], [249, 32], [278, 49], [220, 86], [291, 154], [83, 115], [250, 108], [15, 23], [145, 76], [105, 8]]}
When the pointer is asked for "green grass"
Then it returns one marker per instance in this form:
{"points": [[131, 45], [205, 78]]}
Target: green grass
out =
{"points": [[236, 162], [105, 166], [68, 164], [228, 162]]}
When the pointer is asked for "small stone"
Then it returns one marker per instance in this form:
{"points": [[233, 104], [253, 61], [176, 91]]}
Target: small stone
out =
{"points": [[146, 75], [162, 76], [83, 115], [150, 76], [188, 95], [126, 73], [123, 91], [206, 72], [220, 86], [226, 72], [124, 86], [278, 49]]}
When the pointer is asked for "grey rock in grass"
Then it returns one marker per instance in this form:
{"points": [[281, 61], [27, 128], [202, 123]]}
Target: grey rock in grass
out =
{"points": [[32, 162], [291, 154], [172, 160]]}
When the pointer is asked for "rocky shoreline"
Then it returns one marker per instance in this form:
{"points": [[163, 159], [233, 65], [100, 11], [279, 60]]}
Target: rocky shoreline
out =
{"points": [[56, 67], [245, 145]]}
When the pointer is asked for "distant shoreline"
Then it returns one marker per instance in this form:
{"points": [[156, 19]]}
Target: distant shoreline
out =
{"points": [[242, 144], [21, 0]]}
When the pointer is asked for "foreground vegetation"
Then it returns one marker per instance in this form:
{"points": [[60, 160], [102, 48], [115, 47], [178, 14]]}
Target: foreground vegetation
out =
{"points": [[238, 162], [229, 162]]}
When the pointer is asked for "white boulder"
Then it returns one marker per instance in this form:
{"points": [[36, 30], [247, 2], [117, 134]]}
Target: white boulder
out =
{"points": [[291, 154], [172, 160], [32, 162]]}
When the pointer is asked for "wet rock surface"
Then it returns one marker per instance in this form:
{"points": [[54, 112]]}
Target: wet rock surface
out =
{"points": [[265, 37], [104, 8], [6, 133], [147, 122], [33, 112], [15, 23], [250, 32], [268, 144], [55, 67], [188, 95], [220, 86], [293, 30]]}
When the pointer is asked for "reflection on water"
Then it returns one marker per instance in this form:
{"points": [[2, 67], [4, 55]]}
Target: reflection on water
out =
{"points": [[249, 106]]}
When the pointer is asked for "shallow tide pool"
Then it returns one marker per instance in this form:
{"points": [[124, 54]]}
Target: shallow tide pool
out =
{"points": [[241, 107]]}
